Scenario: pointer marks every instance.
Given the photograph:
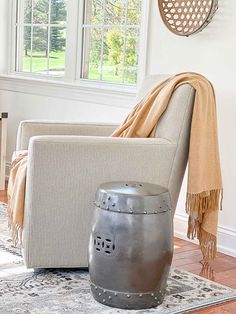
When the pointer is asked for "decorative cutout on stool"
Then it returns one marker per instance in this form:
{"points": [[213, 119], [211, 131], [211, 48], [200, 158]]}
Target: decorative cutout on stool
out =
{"points": [[104, 244], [187, 17]]}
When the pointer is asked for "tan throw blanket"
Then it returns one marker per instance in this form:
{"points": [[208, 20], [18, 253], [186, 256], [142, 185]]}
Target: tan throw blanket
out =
{"points": [[204, 176], [204, 190], [16, 196]]}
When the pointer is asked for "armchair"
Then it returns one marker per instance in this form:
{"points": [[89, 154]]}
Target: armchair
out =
{"points": [[68, 161]]}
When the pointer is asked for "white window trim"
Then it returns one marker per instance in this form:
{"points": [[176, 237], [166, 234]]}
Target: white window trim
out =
{"points": [[71, 86]]}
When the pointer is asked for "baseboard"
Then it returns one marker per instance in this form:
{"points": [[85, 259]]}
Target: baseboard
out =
{"points": [[226, 236]]}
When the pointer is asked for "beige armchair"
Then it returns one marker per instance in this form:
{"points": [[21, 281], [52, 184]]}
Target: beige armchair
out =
{"points": [[68, 161]]}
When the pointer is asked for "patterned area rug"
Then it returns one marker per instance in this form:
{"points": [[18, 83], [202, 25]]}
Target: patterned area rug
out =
{"points": [[57, 291]]}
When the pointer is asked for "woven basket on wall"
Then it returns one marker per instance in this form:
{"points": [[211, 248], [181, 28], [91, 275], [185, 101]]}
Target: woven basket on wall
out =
{"points": [[187, 17]]}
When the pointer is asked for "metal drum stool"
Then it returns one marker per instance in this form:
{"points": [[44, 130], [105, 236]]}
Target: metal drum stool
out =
{"points": [[131, 245]]}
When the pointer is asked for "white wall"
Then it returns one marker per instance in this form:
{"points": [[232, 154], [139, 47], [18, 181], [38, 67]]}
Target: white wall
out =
{"points": [[212, 52], [3, 35], [26, 106]]}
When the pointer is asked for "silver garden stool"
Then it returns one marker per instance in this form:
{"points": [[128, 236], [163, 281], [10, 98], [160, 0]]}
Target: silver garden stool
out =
{"points": [[131, 245]]}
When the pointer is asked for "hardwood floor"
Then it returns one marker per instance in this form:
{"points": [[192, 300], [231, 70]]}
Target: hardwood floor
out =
{"points": [[187, 256], [3, 196], [223, 270]]}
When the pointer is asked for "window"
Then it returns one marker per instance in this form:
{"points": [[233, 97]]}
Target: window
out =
{"points": [[105, 45], [41, 34], [111, 40]]}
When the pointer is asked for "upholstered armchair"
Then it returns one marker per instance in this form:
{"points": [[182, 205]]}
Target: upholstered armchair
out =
{"points": [[68, 161]]}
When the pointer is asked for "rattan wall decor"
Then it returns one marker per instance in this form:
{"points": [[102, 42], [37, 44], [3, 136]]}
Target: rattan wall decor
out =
{"points": [[187, 17]]}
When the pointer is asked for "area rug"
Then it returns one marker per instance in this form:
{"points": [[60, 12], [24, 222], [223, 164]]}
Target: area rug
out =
{"points": [[57, 291]]}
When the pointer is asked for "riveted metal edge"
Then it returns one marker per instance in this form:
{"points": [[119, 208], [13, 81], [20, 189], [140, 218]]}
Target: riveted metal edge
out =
{"points": [[160, 209], [127, 299]]}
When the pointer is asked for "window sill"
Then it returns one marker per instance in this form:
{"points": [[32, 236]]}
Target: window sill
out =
{"points": [[83, 91]]}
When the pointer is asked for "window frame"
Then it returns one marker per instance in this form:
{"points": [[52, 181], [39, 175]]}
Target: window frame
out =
{"points": [[102, 28], [17, 41], [74, 44]]}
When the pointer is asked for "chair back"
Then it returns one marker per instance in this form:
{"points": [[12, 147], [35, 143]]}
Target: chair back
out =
{"points": [[174, 125]]}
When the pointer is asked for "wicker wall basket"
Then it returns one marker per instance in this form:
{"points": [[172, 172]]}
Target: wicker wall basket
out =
{"points": [[187, 17]]}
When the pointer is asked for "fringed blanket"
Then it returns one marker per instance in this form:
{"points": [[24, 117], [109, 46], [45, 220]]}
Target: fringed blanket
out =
{"points": [[16, 196], [204, 175]]}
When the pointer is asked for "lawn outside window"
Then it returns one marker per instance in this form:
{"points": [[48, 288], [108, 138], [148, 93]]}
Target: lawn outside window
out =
{"points": [[79, 41]]}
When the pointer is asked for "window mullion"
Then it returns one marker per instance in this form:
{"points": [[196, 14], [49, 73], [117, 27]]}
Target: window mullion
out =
{"points": [[43, 24], [73, 32], [19, 36], [143, 37], [125, 41], [102, 40], [49, 34], [109, 26], [31, 36]]}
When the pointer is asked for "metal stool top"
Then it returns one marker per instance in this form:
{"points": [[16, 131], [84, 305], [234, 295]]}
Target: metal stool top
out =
{"points": [[133, 198]]}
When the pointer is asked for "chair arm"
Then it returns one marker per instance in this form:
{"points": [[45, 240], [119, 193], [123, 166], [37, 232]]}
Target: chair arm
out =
{"points": [[62, 177], [63, 163], [30, 128], [110, 155]]}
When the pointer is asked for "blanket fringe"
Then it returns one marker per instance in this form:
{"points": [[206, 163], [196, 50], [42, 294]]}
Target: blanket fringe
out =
{"points": [[196, 206], [15, 229], [207, 271], [208, 245]]}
